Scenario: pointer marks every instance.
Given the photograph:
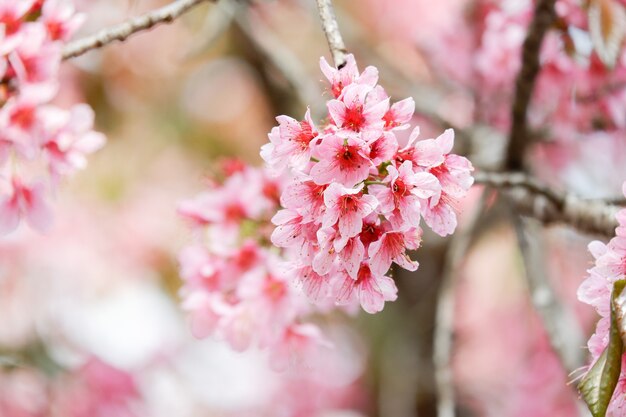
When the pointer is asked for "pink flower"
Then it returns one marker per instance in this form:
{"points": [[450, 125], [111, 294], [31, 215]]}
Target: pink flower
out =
{"points": [[356, 112], [347, 207], [326, 254], [391, 247], [454, 175], [315, 286], [70, 138], [11, 14], [37, 135], [268, 293], [369, 289], [384, 148], [400, 114], [290, 143], [305, 196], [337, 253], [374, 193], [20, 126], [355, 201], [342, 159], [198, 268], [347, 75], [36, 62], [293, 231], [423, 153], [351, 256], [401, 197], [440, 216], [25, 201], [60, 19]]}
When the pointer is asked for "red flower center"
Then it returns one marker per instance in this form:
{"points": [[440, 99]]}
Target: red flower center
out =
{"points": [[354, 118]]}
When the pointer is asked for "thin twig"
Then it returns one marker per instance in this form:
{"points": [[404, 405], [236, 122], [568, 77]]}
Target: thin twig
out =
{"points": [[531, 198], [121, 31], [562, 329], [544, 17], [444, 320], [519, 180], [618, 201], [331, 30]]}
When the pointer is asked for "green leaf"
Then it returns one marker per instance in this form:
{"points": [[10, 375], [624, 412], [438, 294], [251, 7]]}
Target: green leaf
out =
{"points": [[619, 306], [598, 385]]}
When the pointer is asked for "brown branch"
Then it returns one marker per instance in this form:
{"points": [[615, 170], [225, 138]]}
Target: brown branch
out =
{"points": [[531, 198], [122, 31], [544, 17], [331, 30]]}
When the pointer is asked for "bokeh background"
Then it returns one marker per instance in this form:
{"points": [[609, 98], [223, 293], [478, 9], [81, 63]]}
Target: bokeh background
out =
{"points": [[90, 320]]}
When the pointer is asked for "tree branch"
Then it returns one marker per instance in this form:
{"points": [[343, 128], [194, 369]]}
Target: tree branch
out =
{"points": [[531, 198], [544, 17], [563, 332], [121, 31], [331, 30]]}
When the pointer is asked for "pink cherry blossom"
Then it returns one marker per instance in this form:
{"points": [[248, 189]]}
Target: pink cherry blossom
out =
{"points": [[290, 143], [342, 159], [454, 175], [400, 114], [357, 112], [356, 200], [391, 247], [346, 207], [292, 229], [348, 75], [60, 19], [35, 62], [369, 289], [401, 197], [69, 138], [40, 143], [25, 201], [306, 196], [384, 148]]}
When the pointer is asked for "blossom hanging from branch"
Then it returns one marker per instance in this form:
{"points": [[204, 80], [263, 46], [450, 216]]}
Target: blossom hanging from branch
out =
{"points": [[347, 201], [39, 143], [356, 198]]}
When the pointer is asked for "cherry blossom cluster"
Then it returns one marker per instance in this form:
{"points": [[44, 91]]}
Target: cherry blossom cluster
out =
{"points": [[357, 195], [596, 290], [40, 143], [236, 286], [578, 91]]}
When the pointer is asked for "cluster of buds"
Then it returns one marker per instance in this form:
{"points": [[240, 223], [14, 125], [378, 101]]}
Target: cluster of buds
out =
{"points": [[356, 197], [40, 143]]}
